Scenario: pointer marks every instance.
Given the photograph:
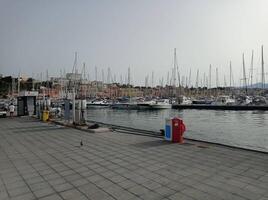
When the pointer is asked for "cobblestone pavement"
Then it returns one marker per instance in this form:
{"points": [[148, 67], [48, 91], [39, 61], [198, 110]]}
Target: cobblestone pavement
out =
{"points": [[45, 161]]}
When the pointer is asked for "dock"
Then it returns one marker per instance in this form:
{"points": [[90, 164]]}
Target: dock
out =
{"points": [[220, 107], [46, 161]]}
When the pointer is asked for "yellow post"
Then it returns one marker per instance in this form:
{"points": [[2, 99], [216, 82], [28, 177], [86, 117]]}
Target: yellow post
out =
{"points": [[45, 115]]}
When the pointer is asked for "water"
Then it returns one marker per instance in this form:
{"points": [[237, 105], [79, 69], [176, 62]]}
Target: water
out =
{"points": [[247, 129]]}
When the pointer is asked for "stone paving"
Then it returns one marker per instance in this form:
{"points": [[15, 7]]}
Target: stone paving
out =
{"points": [[45, 161]]}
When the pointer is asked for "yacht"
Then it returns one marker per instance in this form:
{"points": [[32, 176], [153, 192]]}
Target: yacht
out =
{"points": [[97, 103], [161, 104], [224, 100], [146, 104], [183, 100]]}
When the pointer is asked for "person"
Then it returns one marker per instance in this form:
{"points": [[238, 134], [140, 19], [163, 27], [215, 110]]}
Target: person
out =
{"points": [[11, 110]]}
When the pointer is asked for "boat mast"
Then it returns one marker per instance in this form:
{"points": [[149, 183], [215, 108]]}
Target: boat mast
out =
{"points": [[174, 70], [230, 75], [209, 79], [262, 69], [197, 79], [251, 70], [244, 75]]}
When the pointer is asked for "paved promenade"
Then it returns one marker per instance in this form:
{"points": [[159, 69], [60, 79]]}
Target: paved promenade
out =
{"points": [[45, 161]]}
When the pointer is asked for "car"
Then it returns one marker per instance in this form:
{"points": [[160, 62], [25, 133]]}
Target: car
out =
{"points": [[3, 110]]}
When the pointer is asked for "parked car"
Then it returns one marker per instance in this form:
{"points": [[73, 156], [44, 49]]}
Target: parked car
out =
{"points": [[3, 110]]}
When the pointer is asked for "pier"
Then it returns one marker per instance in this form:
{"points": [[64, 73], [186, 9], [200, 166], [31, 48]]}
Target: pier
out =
{"points": [[220, 107], [46, 161]]}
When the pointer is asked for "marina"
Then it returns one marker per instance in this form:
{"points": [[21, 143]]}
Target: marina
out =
{"points": [[134, 100]]}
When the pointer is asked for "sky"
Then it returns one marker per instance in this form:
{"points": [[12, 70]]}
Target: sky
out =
{"points": [[37, 35]]}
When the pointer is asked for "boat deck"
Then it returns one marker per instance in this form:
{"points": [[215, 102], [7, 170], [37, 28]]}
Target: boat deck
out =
{"points": [[45, 161]]}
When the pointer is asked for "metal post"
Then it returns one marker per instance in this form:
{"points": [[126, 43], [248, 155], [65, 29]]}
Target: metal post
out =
{"points": [[73, 105]]}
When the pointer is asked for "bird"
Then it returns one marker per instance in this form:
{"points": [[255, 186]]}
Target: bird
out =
{"points": [[81, 143]]}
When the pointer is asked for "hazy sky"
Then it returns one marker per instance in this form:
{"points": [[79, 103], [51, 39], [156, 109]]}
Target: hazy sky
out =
{"points": [[36, 35]]}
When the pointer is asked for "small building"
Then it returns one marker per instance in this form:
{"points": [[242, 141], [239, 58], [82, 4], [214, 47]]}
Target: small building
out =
{"points": [[26, 103]]}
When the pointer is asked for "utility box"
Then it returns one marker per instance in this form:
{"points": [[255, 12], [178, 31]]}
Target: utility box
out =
{"points": [[168, 130], [174, 130], [26, 102]]}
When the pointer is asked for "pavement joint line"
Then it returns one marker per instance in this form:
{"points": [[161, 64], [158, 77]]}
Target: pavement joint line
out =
{"points": [[110, 179], [20, 174], [53, 187], [5, 186], [55, 150]]}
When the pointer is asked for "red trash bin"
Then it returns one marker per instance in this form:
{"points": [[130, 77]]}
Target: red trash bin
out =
{"points": [[178, 129]]}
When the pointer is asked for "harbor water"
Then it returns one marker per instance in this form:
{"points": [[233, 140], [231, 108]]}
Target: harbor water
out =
{"points": [[247, 129]]}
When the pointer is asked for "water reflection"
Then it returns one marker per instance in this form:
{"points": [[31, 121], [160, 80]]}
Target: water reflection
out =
{"points": [[240, 128]]}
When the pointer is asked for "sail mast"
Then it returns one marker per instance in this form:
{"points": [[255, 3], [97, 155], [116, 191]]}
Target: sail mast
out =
{"points": [[251, 70], [262, 69], [244, 75]]}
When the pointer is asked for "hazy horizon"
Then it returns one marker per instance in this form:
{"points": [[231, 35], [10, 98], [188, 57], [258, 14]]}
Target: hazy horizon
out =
{"points": [[36, 36]]}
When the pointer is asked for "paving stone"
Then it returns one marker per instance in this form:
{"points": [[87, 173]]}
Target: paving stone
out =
{"points": [[138, 190], [164, 191], [180, 196], [52, 197], [26, 196], [95, 178], [18, 191], [43, 192], [127, 184], [39, 186], [62, 187], [56, 181], [79, 182], [152, 196], [3, 194], [121, 166], [14, 185], [117, 179], [152, 185], [104, 183], [73, 194]]}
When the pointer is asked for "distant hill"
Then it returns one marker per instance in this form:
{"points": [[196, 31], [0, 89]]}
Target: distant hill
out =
{"points": [[258, 85]]}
